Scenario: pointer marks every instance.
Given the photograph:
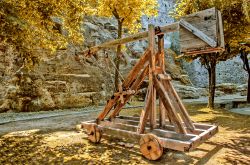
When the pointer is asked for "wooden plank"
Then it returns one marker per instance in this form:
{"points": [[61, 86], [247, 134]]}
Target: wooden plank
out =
{"points": [[167, 103], [168, 126], [221, 30], [165, 29], [110, 103], [198, 33], [159, 132], [151, 47], [200, 126], [146, 111], [136, 69], [196, 141], [162, 110], [206, 51], [206, 22], [182, 110]]}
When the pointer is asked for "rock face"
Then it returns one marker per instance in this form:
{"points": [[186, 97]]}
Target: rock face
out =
{"points": [[189, 92]]}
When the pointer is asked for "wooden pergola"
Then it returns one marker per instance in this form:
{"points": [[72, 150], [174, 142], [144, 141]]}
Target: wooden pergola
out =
{"points": [[200, 33]]}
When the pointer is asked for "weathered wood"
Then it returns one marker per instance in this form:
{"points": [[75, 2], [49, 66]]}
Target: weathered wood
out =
{"points": [[167, 127], [165, 29], [134, 87], [145, 112], [136, 69], [111, 102], [167, 103], [183, 112], [206, 51], [205, 21], [151, 147], [151, 41], [197, 125], [118, 123], [94, 132], [198, 33], [221, 32]]}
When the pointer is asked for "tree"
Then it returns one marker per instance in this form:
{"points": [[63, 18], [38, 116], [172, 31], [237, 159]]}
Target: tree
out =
{"points": [[128, 14], [30, 29], [235, 15], [41, 24], [244, 52]]}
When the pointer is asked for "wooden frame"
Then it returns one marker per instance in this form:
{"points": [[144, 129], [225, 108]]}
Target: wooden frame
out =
{"points": [[173, 129], [126, 127]]}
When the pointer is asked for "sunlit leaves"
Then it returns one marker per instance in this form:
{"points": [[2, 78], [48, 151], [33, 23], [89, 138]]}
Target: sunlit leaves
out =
{"points": [[42, 24], [127, 11]]}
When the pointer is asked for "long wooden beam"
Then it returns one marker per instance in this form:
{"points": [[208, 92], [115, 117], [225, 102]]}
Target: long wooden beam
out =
{"points": [[165, 29], [167, 103]]}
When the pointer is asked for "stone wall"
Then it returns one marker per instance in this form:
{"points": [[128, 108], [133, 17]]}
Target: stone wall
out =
{"points": [[230, 71]]}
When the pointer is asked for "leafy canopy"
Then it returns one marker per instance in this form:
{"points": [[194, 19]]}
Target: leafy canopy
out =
{"points": [[128, 12], [30, 25]]}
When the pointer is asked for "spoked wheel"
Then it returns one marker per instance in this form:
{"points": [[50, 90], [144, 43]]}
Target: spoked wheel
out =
{"points": [[94, 133], [150, 147]]}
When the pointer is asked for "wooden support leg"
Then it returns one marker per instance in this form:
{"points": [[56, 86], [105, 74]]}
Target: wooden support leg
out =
{"points": [[183, 112], [151, 41], [162, 114], [111, 102], [145, 112], [167, 103], [153, 109]]}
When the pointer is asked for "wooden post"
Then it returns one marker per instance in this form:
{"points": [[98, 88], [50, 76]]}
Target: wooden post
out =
{"points": [[151, 41], [162, 111]]}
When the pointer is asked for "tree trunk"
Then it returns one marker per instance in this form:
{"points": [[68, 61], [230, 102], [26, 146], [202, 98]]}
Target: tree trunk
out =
{"points": [[212, 81], [246, 67], [248, 88], [118, 56]]}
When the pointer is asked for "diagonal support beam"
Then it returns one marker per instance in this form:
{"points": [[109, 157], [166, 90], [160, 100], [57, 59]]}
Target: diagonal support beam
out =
{"points": [[134, 87], [198, 33], [146, 111], [167, 103]]}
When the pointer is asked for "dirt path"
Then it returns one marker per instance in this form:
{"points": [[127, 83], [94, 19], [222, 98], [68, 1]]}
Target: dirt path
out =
{"points": [[53, 140]]}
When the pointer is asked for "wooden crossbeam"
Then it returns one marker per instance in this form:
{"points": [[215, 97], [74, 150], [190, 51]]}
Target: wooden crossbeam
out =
{"points": [[165, 29], [134, 87], [123, 93], [198, 33]]}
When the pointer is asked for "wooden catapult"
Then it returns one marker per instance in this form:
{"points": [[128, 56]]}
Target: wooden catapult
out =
{"points": [[171, 128]]}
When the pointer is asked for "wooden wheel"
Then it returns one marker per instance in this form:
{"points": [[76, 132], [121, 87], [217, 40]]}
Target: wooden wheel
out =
{"points": [[95, 133], [150, 147]]}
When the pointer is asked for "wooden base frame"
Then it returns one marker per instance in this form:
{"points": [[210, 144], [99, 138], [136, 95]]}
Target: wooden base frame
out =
{"points": [[126, 127]]}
